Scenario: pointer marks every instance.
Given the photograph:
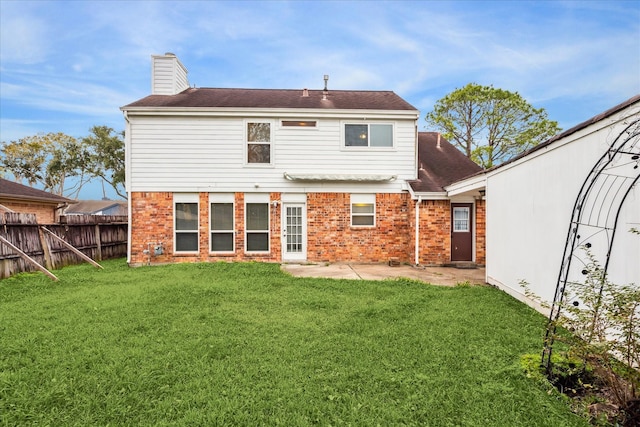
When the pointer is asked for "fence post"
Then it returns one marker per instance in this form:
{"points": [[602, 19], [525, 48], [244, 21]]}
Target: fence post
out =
{"points": [[46, 249], [98, 242]]}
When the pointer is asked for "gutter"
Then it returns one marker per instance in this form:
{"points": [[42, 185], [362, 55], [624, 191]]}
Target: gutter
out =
{"points": [[127, 180], [417, 228]]}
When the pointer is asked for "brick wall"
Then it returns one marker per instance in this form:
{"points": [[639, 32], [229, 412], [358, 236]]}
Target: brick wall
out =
{"points": [[45, 214], [435, 232], [330, 236], [152, 223]]}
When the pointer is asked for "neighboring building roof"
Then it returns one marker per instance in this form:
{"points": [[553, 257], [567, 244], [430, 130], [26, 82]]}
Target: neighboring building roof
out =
{"points": [[276, 98], [92, 207], [15, 191], [440, 164]]}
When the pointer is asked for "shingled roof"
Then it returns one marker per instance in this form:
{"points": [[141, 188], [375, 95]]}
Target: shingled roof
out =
{"points": [[16, 191], [276, 98], [440, 164]]}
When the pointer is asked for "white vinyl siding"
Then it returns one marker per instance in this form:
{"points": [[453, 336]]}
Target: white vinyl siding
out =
{"points": [[180, 154]]}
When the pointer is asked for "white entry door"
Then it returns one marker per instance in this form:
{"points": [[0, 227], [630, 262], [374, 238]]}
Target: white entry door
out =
{"points": [[294, 232]]}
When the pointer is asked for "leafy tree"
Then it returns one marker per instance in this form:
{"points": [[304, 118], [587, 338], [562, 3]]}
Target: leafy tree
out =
{"points": [[46, 160], [490, 125], [104, 155]]}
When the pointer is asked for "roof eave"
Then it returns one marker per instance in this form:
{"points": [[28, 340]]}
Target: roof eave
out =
{"points": [[53, 202], [468, 185], [271, 112]]}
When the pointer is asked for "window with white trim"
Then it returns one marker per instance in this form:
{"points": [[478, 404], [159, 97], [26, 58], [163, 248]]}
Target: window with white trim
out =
{"points": [[222, 223], [186, 223], [256, 222], [259, 143], [368, 135], [363, 210]]}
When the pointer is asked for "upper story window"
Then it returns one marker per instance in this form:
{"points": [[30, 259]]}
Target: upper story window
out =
{"points": [[368, 135], [259, 143]]}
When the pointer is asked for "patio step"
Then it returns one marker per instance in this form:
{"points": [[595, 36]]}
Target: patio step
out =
{"points": [[467, 265]]}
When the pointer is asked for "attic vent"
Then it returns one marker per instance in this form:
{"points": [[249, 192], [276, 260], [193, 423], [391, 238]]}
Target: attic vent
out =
{"points": [[305, 92], [299, 123]]}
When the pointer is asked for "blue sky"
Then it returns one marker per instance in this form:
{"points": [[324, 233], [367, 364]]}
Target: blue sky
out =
{"points": [[68, 65]]}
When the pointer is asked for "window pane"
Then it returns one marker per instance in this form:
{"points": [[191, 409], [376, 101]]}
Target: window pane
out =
{"points": [[362, 220], [356, 136], [259, 153], [187, 242], [257, 242], [461, 219], [381, 135], [186, 216], [359, 208], [258, 132], [222, 242], [222, 216], [258, 216]]}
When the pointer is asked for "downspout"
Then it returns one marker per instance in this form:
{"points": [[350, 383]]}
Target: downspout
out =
{"points": [[127, 159], [417, 237]]}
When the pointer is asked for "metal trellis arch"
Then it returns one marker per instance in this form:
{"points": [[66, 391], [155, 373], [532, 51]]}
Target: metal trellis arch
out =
{"points": [[594, 218]]}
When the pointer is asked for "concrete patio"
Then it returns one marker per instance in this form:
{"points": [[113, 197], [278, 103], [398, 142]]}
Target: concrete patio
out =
{"points": [[444, 276]]}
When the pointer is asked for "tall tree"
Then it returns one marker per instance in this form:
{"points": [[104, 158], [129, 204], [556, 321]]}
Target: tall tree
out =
{"points": [[104, 154], [45, 160], [490, 125]]}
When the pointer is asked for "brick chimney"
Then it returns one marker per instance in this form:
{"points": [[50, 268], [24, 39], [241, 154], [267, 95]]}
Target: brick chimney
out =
{"points": [[168, 75]]}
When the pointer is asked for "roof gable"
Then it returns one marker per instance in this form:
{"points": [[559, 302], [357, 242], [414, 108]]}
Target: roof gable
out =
{"points": [[276, 98], [14, 190], [440, 164]]}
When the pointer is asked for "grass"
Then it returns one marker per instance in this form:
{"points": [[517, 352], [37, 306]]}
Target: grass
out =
{"points": [[245, 344]]}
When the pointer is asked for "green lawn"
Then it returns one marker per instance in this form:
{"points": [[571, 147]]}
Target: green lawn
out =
{"points": [[245, 344]]}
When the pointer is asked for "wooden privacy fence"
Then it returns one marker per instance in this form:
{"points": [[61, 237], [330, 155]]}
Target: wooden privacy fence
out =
{"points": [[24, 243]]}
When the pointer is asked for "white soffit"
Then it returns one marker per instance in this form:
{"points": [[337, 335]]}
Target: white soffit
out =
{"points": [[474, 183]]}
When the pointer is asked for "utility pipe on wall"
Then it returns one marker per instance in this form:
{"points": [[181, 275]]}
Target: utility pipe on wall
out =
{"points": [[417, 228]]}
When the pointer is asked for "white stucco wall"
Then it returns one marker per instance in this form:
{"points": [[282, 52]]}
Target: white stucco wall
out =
{"points": [[529, 207]]}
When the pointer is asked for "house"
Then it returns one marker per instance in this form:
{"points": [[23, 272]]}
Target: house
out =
{"points": [[577, 191], [285, 175], [15, 197], [97, 207]]}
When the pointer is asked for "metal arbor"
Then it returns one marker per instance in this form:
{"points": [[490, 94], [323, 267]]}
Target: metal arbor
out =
{"points": [[595, 216]]}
